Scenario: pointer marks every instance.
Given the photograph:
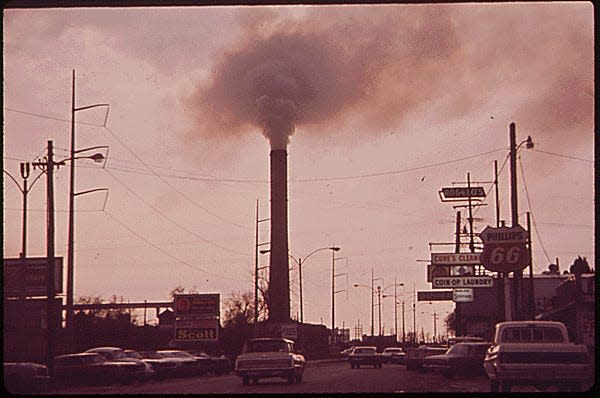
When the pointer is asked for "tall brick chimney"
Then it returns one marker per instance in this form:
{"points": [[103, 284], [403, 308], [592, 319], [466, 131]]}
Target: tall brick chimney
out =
{"points": [[279, 278]]}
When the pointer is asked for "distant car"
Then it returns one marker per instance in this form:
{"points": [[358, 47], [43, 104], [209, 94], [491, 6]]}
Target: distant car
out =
{"points": [[164, 367], [365, 356], [25, 377], [187, 364], [415, 355], [347, 351], [93, 368], [393, 355], [215, 365], [461, 358], [270, 357], [161, 367], [119, 355]]}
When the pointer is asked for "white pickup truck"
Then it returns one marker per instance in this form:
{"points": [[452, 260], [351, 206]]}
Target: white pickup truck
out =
{"points": [[535, 353]]}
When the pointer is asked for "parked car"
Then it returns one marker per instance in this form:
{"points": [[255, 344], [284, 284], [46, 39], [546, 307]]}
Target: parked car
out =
{"points": [[416, 355], [161, 366], [25, 377], [393, 355], [365, 356], [461, 358], [187, 364], [270, 357], [118, 355], [215, 365], [536, 353], [94, 368]]}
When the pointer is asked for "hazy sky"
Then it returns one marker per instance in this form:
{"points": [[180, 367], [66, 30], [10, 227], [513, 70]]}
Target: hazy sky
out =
{"points": [[382, 105]]}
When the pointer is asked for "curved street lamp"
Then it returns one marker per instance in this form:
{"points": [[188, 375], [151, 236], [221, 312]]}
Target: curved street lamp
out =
{"points": [[300, 262]]}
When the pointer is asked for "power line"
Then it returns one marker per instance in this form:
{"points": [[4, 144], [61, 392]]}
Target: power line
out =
{"points": [[531, 212], [48, 117], [166, 252], [172, 221], [563, 156], [170, 185]]}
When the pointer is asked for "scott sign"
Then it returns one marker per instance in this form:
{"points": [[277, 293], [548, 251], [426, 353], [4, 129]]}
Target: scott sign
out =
{"points": [[504, 248]]}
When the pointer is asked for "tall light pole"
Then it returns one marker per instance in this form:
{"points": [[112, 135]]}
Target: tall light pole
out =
{"points": [[72, 194], [300, 262], [333, 292], [396, 284], [373, 291], [517, 275]]}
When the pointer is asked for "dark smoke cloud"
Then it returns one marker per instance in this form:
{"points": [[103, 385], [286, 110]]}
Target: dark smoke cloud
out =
{"points": [[375, 65]]}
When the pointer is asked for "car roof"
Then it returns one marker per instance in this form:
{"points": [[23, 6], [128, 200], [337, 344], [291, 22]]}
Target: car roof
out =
{"points": [[79, 354], [99, 349], [367, 346], [271, 339]]}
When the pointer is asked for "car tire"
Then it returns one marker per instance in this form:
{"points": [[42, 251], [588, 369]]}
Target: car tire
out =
{"points": [[352, 366], [299, 379], [504, 386], [291, 379], [255, 380], [245, 380], [357, 366]]}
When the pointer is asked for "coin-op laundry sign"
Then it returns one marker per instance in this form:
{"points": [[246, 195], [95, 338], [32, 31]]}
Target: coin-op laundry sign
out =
{"points": [[451, 282], [504, 248]]}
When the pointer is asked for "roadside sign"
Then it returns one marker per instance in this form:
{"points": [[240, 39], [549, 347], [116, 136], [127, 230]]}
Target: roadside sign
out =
{"points": [[196, 305], [434, 295], [451, 282], [455, 258], [463, 192], [504, 248], [35, 276], [437, 270], [462, 270], [196, 329], [462, 295]]}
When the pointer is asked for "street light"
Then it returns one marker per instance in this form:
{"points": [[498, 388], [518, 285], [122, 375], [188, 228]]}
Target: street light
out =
{"points": [[72, 194], [373, 279], [300, 262], [395, 284], [434, 314]]}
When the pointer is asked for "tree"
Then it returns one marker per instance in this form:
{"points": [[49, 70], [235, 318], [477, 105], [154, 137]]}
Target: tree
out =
{"points": [[179, 289], [239, 309]]}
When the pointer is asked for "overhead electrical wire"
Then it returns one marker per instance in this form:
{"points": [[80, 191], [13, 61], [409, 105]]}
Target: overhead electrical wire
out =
{"points": [[563, 156], [537, 232], [169, 219], [115, 219]]}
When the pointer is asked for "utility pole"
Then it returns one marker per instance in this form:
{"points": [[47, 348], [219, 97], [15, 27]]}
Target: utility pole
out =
{"points": [[457, 306], [403, 331], [372, 304], [48, 167], [379, 307], [531, 292], [517, 275], [471, 242], [501, 278], [395, 311]]}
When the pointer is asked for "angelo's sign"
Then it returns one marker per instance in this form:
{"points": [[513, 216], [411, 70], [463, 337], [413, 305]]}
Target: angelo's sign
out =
{"points": [[196, 305]]}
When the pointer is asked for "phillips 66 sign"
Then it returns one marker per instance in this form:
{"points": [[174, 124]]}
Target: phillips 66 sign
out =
{"points": [[504, 248]]}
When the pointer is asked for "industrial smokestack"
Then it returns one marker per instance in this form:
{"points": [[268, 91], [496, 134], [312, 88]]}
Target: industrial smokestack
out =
{"points": [[279, 278]]}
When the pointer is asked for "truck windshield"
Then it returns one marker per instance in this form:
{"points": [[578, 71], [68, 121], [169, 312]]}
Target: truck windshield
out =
{"points": [[533, 334]]}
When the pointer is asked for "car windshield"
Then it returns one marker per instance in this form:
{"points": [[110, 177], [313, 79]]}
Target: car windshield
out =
{"points": [[177, 354], [151, 355], [119, 354], [364, 351], [266, 346], [391, 350], [133, 354], [458, 349]]}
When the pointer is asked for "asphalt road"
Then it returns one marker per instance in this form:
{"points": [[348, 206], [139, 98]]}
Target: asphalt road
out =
{"points": [[324, 377]]}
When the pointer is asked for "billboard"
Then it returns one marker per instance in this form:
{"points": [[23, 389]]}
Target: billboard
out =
{"points": [[435, 295], [196, 305], [35, 276], [202, 329]]}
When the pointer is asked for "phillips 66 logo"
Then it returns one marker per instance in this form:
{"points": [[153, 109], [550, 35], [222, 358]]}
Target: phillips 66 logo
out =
{"points": [[504, 249]]}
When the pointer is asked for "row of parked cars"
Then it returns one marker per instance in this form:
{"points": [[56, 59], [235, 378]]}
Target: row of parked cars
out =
{"points": [[106, 365]]}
